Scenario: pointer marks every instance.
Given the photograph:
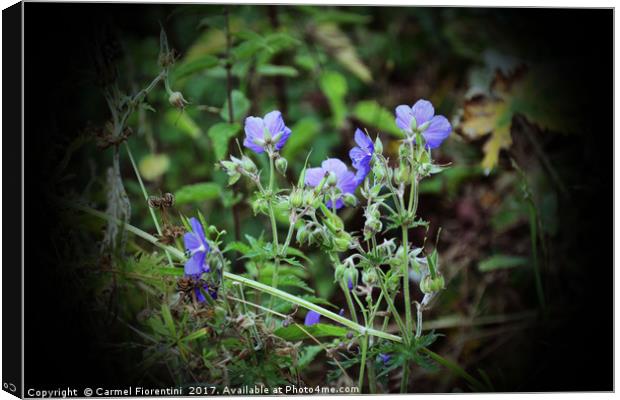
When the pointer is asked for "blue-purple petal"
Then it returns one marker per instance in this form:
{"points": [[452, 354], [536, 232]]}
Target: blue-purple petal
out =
{"points": [[254, 129], [195, 264], [192, 241], [385, 358], [363, 141], [334, 165], [285, 135], [438, 130], [404, 115], [199, 232], [422, 111], [314, 176], [346, 182], [312, 318]]}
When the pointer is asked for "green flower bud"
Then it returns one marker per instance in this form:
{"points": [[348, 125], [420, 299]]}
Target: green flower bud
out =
{"points": [[248, 165], [297, 198], [379, 171], [281, 165], [341, 243], [339, 272], [302, 235], [379, 146], [429, 284], [370, 277], [260, 205], [349, 200]]}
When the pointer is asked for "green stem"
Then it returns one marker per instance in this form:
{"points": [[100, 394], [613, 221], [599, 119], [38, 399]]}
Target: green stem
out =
{"points": [[360, 382], [347, 296], [405, 273], [392, 308], [404, 382], [240, 279], [146, 196], [274, 231]]}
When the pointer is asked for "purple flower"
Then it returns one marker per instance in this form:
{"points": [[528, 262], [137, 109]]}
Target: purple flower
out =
{"points": [[385, 358], [361, 155], [255, 132], [350, 284], [434, 128], [312, 318], [197, 248], [345, 179], [200, 297]]}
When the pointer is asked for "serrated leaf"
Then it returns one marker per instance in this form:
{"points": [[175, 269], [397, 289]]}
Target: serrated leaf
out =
{"points": [[501, 261], [237, 246], [197, 192], [308, 354], [220, 134], [372, 114], [153, 166], [241, 105], [294, 332], [334, 87]]}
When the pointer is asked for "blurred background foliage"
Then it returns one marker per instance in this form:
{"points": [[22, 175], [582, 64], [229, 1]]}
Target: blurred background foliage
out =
{"points": [[512, 206]]}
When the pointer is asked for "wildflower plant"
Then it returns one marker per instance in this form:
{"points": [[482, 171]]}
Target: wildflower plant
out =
{"points": [[372, 267]]}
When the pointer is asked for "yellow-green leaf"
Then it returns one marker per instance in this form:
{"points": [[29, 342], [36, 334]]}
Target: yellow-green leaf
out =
{"points": [[153, 166]]}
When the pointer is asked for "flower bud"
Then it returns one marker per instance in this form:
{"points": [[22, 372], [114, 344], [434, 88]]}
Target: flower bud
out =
{"points": [[351, 275], [379, 170], [176, 99], [430, 285], [349, 200], [378, 146], [339, 272], [248, 165], [341, 243], [302, 235], [308, 198], [260, 205], [370, 277], [296, 199], [281, 165]]}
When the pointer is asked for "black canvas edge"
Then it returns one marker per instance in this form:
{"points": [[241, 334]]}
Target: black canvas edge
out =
{"points": [[12, 228]]}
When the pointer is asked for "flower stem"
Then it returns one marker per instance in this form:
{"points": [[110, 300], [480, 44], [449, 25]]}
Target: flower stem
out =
{"points": [[360, 383], [146, 197], [274, 230], [405, 272], [240, 279]]}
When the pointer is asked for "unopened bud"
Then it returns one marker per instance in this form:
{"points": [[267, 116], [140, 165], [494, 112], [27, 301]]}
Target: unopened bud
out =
{"points": [[370, 277], [248, 165], [378, 146], [349, 199], [332, 179], [281, 165], [177, 100]]}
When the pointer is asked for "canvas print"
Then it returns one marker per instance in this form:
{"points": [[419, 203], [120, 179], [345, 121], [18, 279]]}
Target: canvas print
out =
{"points": [[236, 199]]}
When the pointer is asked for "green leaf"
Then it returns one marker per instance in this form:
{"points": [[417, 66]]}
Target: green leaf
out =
{"points": [[182, 121], [501, 261], [197, 192], [196, 65], [237, 246], [241, 105], [294, 332], [334, 87], [277, 70], [153, 166], [220, 134], [308, 354], [195, 335], [372, 114], [168, 321]]}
